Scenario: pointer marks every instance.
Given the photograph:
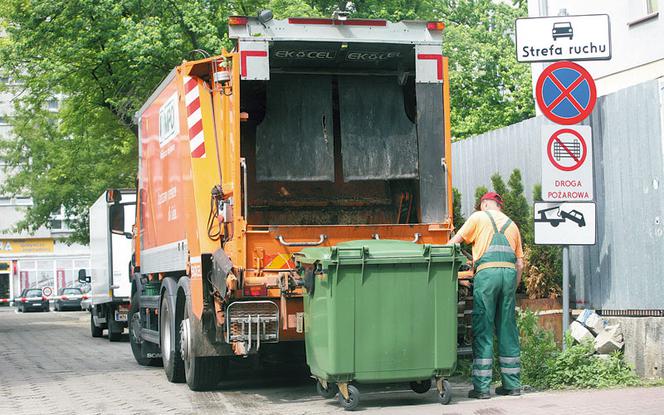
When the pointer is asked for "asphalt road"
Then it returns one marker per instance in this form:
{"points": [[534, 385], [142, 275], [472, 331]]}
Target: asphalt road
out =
{"points": [[50, 364]]}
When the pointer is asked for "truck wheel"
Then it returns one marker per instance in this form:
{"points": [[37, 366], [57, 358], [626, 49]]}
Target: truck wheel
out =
{"points": [[201, 373], [114, 329], [170, 343], [94, 330], [139, 347]]}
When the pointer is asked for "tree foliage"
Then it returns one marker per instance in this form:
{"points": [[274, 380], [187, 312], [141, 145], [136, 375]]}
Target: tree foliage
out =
{"points": [[542, 274], [103, 58]]}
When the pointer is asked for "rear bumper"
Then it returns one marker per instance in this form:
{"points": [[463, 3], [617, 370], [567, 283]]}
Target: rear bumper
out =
{"points": [[69, 304], [35, 306]]}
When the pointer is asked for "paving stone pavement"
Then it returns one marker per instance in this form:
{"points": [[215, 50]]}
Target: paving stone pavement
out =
{"points": [[50, 364]]}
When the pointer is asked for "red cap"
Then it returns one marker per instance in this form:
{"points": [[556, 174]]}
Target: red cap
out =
{"points": [[492, 196]]}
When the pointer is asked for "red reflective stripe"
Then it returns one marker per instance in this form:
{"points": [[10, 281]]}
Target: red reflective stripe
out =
{"points": [[435, 57], [305, 20], [349, 22], [193, 106], [246, 53], [198, 151], [361, 22], [191, 84], [195, 129]]}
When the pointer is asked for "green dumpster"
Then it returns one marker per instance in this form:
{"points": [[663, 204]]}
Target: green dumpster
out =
{"points": [[380, 311]]}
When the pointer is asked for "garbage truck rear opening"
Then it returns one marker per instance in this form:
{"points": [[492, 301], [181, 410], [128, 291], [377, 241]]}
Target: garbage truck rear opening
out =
{"points": [[311, 132]]}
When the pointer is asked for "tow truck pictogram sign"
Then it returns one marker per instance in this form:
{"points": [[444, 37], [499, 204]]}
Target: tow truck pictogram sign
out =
{"points": [[564, 223], [567, 172]]}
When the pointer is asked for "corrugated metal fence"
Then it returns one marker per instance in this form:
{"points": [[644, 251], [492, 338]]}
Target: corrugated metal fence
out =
{"points": [[625, 269]]}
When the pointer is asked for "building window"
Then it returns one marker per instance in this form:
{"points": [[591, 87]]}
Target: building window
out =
{"points": [[58, 221], [23, 201], [652, 6], [53, 105], [5, 201]]}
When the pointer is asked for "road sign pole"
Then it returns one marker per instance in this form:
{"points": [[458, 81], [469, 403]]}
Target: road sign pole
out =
{"points": [[565, 292]]}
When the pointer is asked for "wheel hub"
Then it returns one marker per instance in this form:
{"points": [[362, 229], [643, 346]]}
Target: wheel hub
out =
{"points": [[185, 339]]}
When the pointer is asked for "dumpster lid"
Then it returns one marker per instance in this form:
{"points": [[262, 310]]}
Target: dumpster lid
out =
{"points": [[374, 249]]}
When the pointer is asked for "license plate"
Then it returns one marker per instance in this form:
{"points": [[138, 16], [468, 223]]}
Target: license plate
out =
{"points": [[120, 316]]}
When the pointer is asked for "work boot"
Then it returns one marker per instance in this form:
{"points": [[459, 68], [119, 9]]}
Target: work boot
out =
{"points": [[507, 392], [474, 394]]}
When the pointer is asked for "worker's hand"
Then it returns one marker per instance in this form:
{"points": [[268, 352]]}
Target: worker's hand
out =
{"points": [[456, 239]]}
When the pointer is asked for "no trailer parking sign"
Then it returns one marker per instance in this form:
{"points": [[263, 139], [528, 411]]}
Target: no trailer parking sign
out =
{"points": [[567, 172]]}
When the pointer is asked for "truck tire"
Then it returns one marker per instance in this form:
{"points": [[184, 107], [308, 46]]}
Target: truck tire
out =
{"points": [[94, 330], [139, 347], [201, 373], [114, 329], [170, 342]]}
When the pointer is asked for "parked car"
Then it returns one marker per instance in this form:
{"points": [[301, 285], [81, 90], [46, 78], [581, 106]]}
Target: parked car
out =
{"points": [[69, 299], [32, 299], [86, 303]]}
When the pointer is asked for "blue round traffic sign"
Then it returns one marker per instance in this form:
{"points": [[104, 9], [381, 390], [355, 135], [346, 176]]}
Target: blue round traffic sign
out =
{"points": [[566, 93]]}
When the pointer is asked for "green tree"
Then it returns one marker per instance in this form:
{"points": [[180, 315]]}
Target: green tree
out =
{"points": [[490, 89], [456, 209], [515, 202], [479, 192], [103, 58], [543, 273]]}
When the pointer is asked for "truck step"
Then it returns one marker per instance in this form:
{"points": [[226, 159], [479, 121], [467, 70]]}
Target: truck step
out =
{"points": [[149, 301]]}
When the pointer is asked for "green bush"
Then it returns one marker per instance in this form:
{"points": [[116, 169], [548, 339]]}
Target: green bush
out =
{"points": [[579, 367], [543, 271], [538, 350], [457, 218], [544, 366]]}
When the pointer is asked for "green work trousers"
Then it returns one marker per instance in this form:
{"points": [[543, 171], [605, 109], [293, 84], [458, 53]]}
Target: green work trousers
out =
{"points": [[493, 307]]}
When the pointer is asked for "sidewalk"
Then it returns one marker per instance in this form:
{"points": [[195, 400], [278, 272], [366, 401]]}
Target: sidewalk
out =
{"points": [[627, 401]]}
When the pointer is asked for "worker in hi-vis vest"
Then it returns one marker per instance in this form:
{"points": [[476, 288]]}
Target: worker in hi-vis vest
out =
{"points": [[498, 262]]}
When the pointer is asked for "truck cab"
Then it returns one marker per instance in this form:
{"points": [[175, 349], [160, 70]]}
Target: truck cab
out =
{"points": [[111, 220]]}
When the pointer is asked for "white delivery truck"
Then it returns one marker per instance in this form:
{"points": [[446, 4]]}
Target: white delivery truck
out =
{"points": [[110, 263]]}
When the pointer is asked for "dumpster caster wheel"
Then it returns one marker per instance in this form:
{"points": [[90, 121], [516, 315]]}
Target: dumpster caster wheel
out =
{"points": [[353, 398], [421, 386], [446, 396], [326, 393]]}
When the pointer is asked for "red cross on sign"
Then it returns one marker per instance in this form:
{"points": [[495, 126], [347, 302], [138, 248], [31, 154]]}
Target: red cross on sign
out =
{"points": [[566, 93]]}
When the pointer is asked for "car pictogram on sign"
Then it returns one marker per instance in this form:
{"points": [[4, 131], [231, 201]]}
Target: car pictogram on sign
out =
{"points": [[562, 29], [566, 93]]}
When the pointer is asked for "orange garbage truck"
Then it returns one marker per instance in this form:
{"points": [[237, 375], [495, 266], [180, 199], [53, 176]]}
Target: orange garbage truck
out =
{"points": [[310, 132]]}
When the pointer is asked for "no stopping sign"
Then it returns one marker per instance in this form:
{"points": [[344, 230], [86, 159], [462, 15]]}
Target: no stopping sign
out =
{"points": [[566, 93]]}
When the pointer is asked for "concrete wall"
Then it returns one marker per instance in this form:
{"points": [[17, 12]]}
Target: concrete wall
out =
{"points": [[644, 344]]}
